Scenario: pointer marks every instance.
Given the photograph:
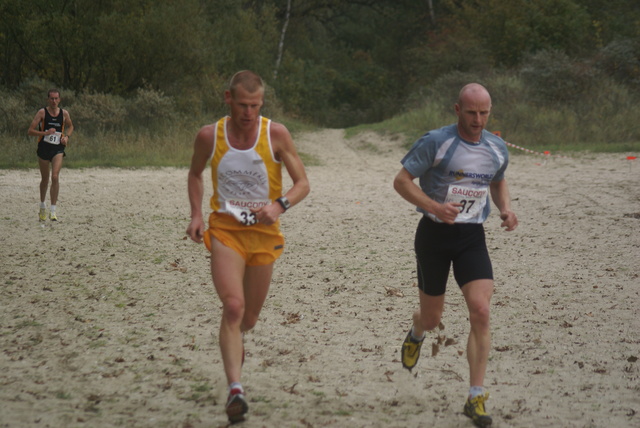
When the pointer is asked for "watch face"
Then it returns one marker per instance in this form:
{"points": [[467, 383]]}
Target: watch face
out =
{"points": [[284, 202]]}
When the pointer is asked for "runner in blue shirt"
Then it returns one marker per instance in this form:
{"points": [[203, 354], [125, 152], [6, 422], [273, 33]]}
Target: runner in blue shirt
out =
{"points": [[458, 167]]}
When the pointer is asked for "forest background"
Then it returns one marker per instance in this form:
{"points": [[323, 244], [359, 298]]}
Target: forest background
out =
{"points": [[140, 77]]}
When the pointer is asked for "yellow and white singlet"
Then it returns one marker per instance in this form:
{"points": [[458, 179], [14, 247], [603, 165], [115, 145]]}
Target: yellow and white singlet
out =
{"points": [[244, 180]]}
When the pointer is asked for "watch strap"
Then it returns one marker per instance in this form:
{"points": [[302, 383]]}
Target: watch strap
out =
{"points": [[284, 203]]}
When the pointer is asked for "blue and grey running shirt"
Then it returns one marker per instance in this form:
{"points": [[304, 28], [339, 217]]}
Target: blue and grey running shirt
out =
{"points": [[451, 169]]}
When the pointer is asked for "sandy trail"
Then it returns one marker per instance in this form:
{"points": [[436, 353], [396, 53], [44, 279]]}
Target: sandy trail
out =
{"points": [[109, 317]]}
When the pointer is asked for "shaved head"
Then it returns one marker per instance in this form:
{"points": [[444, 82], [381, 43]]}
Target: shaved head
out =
{"points": [[473, 91], [473, 109]]}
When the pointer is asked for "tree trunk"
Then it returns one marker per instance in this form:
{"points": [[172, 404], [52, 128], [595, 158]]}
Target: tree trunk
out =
{"points": [[281, 44], [432, 14]]}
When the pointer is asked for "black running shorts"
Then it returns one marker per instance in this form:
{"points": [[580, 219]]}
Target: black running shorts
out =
{"points": [[48, 151], [438, 245]]}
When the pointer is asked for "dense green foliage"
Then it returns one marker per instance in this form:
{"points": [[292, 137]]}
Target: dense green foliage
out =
{"points": [[560, 71]]}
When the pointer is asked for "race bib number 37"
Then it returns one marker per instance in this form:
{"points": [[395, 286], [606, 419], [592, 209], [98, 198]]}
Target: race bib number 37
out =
{"points": [[472, 199], [241, 209], [53, 138]]}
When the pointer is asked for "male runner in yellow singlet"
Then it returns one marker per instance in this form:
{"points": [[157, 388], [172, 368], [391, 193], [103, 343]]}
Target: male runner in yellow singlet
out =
{"points": [[246, 152]]}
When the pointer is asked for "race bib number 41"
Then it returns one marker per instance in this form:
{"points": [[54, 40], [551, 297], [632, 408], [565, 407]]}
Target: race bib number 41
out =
{"points": [[472, 199], [241, 209], [53, 138]]}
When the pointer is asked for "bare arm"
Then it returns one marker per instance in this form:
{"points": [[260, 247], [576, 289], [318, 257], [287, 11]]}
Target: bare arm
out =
{"points": [[195, 187], [68, 125], [409, 190], [502, 200], [33, 128], [288, 154], [285, 150]]}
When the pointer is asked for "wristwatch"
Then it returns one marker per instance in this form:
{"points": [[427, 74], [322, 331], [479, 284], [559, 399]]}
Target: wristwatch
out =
{"points": [[284, 202]]}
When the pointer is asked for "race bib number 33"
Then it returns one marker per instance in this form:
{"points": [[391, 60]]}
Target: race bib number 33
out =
{"points": [[472, 200], [241, 209]]}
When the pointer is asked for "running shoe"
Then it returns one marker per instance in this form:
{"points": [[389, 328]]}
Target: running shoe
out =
{"points": [[410, 351], [43, 214], [474, 408], [237, 406], [53, 216]]}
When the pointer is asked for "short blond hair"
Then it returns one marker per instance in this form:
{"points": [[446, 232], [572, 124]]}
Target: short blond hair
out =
{"points": [[248, 80]]}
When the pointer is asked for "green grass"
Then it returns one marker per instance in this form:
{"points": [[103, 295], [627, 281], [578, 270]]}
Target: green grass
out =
{"points": [[553, 130], [122, 149], [604, 120], [410, 125], [27, 323], [558, 129], [114, 149]]}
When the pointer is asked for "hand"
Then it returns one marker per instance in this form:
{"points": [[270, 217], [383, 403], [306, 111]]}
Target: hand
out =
{"points": [[448, 212], [509, 220], [50, 131], [268, 214], [195, 230]]}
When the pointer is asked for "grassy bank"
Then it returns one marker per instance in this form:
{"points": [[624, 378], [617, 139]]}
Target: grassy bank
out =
{"points": [[602, 120], [412, 125], [122, 149], [555, 130]]}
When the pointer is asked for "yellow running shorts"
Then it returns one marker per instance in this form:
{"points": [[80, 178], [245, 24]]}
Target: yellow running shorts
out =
{"points": [[258, 244]]}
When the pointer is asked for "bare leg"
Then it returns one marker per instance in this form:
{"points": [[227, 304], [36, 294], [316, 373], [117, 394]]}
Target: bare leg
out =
{"points": [[242, 291], [44, 178], [478, 294], [56, 166], [428, 316], [257, 280]]}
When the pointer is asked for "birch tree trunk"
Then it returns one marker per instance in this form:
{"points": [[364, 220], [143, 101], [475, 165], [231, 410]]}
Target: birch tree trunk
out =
{"points": [[281, 44], [432, 14]]}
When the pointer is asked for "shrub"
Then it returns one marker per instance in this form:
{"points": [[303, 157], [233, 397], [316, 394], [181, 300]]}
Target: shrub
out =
{"points": [[150, 107], [98, 112], [446, 88], [34, 92], [14, 115], [621, 60], [550, 76]]}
